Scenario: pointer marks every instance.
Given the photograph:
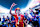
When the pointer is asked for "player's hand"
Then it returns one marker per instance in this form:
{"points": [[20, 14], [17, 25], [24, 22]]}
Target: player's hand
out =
{"points": [[13, 5]]}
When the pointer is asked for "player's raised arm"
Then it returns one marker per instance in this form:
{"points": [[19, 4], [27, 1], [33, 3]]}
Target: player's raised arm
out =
{"points": [[12, 7]]}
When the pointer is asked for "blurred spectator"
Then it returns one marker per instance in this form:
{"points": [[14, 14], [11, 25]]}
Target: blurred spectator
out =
{"points": [[13, 21], [0, 22], [3, 25], [35, 23], [0, 18], [39, 21]]}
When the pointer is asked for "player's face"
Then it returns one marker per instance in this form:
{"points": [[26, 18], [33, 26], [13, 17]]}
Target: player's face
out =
{"points": [[18, 11], [3, 16], [39, 16]]}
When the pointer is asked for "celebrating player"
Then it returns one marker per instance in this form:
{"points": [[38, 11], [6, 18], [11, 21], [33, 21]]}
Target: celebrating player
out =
{"points": [[18, 16]]}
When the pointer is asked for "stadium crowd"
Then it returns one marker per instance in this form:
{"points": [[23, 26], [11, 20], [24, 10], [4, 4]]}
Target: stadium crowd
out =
{"points": [[34, 21], [20, 20]]}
